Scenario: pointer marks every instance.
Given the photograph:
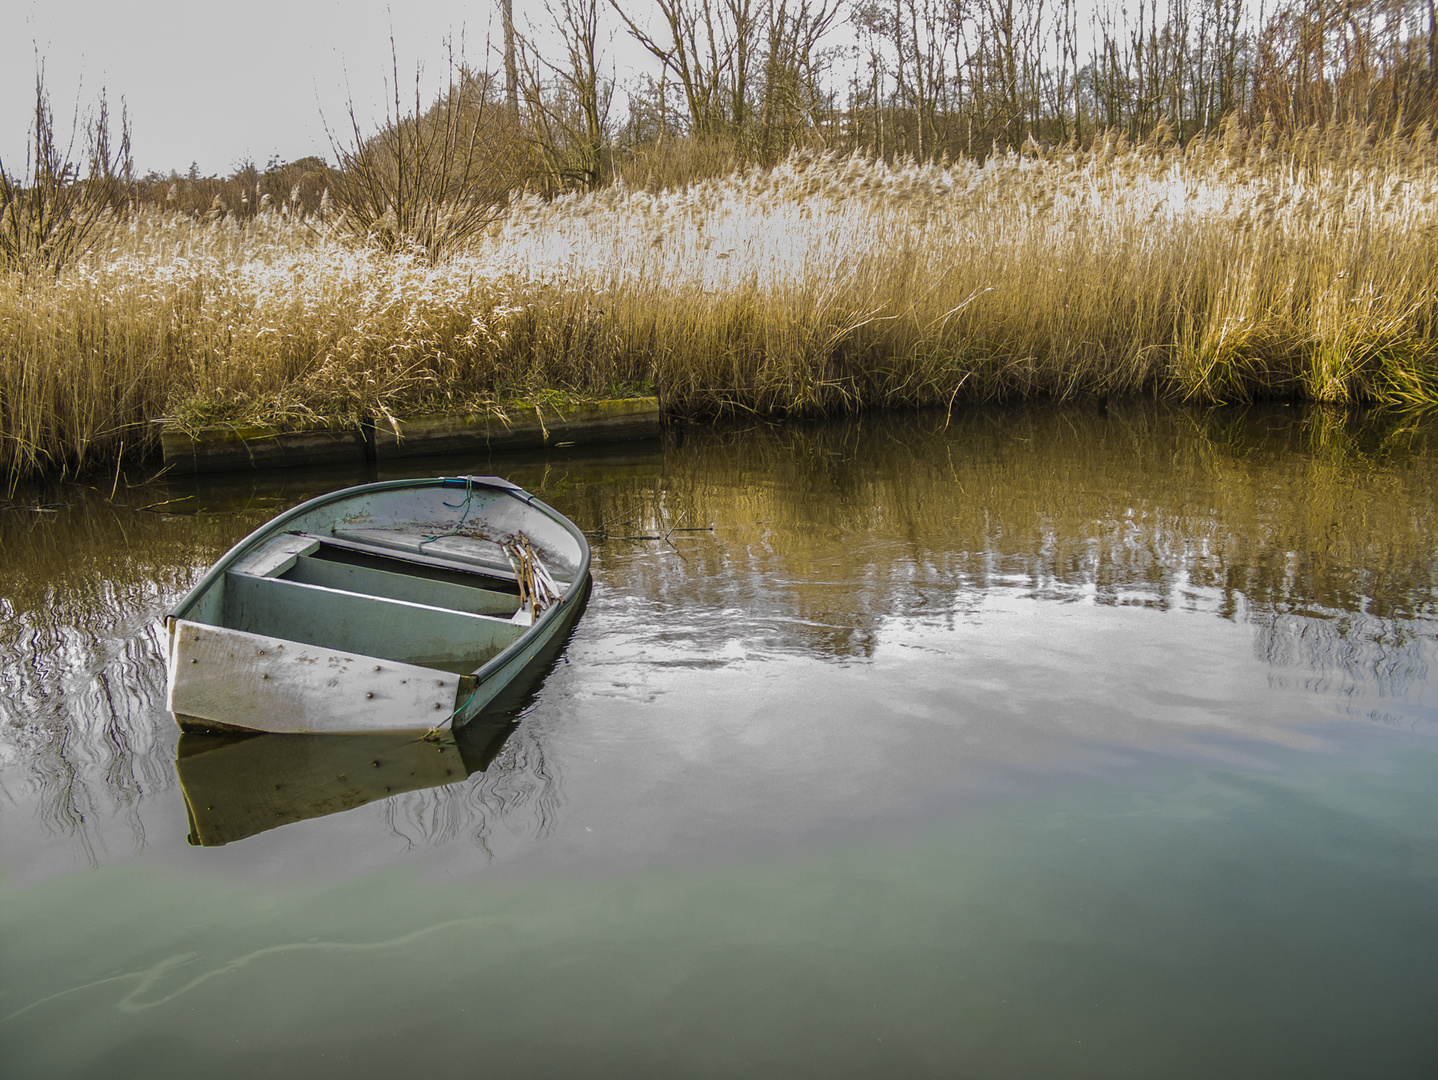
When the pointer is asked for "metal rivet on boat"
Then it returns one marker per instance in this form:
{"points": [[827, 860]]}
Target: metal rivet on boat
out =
{"points": [[194, 661], [437, 705], [265, 676], [376, 667], [370, 694]]}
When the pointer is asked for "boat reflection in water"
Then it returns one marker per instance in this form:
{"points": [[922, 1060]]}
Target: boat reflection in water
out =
{"points": [[237, 785]]}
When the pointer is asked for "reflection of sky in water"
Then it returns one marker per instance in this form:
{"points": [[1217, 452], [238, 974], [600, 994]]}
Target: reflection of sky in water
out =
{"points": [[739, 738]]}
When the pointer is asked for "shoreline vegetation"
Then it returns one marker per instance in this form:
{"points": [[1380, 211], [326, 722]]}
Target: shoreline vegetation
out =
{"points": [[1247, 266], [762, 249]]}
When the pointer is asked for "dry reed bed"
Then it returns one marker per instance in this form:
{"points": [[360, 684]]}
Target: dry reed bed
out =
{"points": [[1230, 271], [1242, 267]]}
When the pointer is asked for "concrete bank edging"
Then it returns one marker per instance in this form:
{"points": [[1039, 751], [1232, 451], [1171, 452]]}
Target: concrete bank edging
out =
{"points": [[234, 447]]}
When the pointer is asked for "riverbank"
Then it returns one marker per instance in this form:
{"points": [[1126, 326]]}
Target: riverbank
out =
{"points": [[235, 447], [1242, 268]]}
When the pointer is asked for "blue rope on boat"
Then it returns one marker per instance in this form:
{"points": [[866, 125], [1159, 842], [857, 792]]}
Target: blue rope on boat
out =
{"points": [[466, 505], [468, 494]]}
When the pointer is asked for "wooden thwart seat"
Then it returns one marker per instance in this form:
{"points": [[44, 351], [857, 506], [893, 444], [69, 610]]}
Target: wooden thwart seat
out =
{"points": [[333, 618], [469, 552], [369, 580]]}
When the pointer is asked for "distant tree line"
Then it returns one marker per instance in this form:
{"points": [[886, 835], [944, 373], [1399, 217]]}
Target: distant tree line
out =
{"points": [[295, 186], [961, 77], [731, 83]]}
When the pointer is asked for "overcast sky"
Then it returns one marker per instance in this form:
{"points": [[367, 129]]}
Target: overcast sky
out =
{"points": [[219, 83]]}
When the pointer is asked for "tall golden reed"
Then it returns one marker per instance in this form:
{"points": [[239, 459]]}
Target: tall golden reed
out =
{"points": [[1244, 266]]}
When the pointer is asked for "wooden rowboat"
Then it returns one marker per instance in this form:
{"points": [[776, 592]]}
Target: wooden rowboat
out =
{"points": [[397, 606]]}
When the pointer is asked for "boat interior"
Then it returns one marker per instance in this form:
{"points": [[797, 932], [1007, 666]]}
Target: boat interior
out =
{"points": [[451, 611]]}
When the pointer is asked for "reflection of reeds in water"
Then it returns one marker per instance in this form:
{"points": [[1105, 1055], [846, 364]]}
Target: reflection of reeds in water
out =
{"points": [[825, 533], [82, 675], [1346, 654]]}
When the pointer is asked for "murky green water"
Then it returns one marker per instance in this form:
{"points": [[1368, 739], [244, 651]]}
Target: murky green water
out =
{"points": [[1044, 743]]}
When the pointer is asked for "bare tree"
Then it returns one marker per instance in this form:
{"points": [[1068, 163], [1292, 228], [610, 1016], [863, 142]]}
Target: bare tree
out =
{"points": [[707, 48], [49, 213], [511, 64], [428, 179], [568, 105], [793, 65]]}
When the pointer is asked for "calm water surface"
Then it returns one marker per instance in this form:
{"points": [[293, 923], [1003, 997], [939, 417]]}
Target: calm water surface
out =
{"points": [[1037, 743]]}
